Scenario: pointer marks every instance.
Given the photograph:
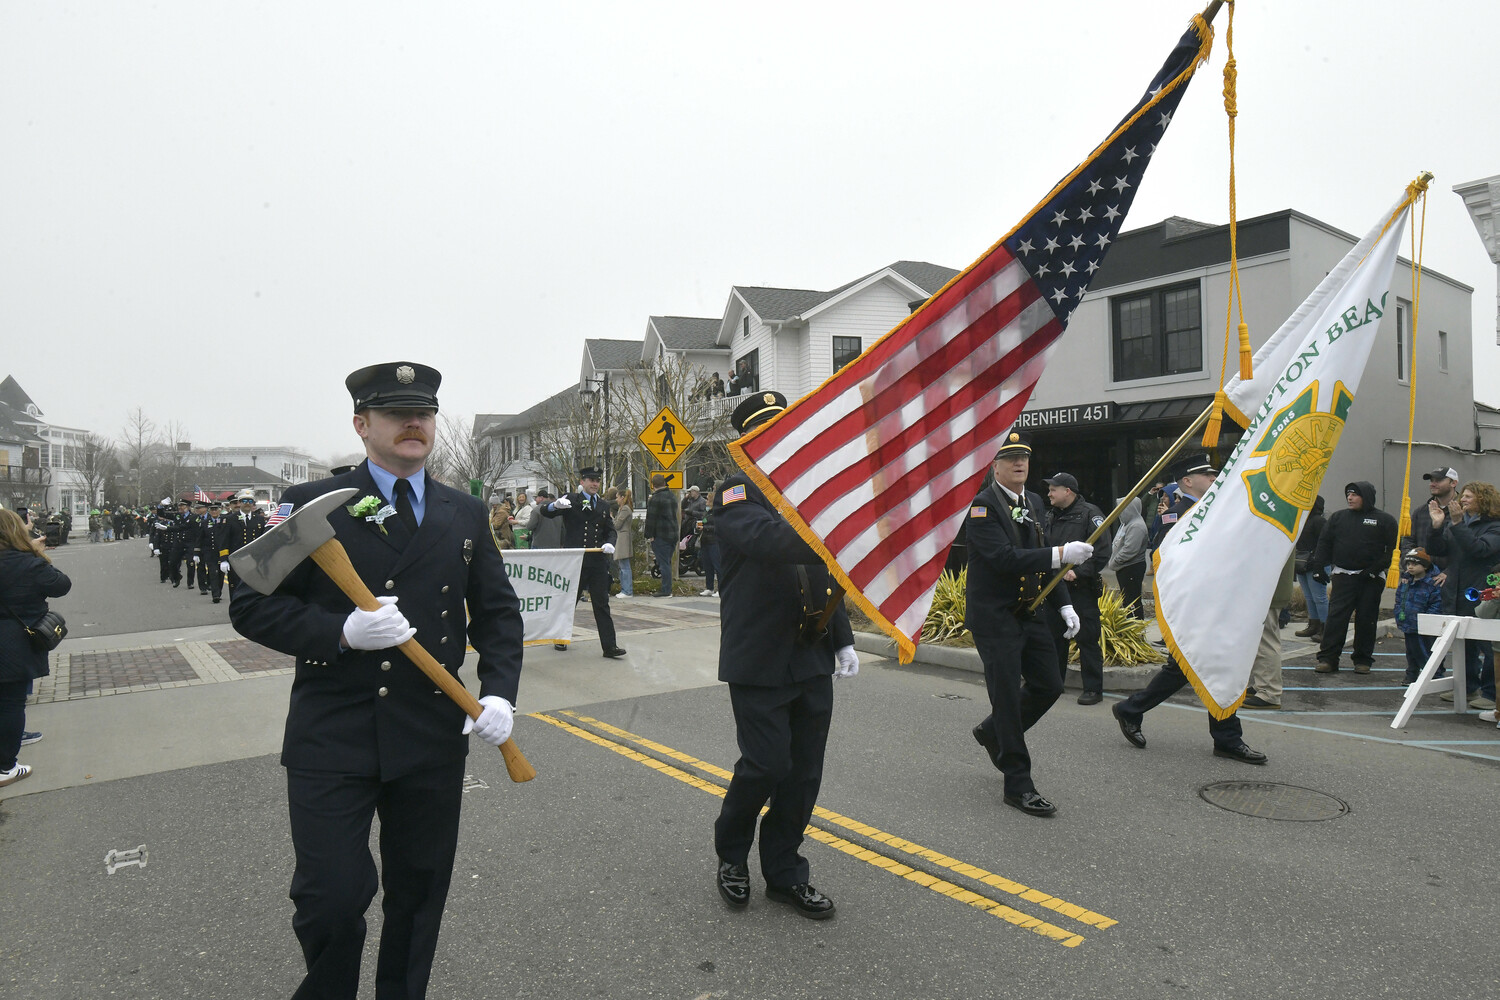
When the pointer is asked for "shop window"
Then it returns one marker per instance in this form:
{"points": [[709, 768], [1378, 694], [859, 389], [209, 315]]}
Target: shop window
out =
{"points": [[1159, 332], [1442, 350], [1403, 341], [845, 350]]}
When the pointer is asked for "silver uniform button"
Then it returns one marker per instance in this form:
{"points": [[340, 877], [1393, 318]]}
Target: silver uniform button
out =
{"points": [[383, 692], [385, 665], [443, 615], [445, 589], [390, 585], [443, 641]]}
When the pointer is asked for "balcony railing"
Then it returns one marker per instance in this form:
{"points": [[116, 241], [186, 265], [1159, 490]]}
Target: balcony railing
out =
{"points": [[25, 475]]}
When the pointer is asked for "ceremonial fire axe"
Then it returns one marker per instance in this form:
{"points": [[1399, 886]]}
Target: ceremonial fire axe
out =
{"points": [[265, 562]]}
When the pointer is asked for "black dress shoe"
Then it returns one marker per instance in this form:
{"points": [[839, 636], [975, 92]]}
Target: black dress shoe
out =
{"points": [[1131, 730], [614, 654], [808, 901], [559, 645], [1031, 803], [1241, 753], [991, 745], [1256, 701], [1090, 698], [734, 884], [217, 599]]}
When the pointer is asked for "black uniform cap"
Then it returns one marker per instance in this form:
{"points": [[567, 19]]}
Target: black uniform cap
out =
{"points": [[1015, 443], [757, 408], [589, 472], [395, 384], [1191, 464]]}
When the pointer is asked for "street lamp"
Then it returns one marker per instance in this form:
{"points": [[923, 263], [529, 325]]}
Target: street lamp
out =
{"points": [[590, 386]]}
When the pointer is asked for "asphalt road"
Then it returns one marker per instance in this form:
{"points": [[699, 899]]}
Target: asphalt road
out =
{"points": [[117, 590], [596, 879]]}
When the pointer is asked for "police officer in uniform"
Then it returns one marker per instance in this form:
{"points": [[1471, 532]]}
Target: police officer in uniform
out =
{"points": [[366, 732], [179, 546], [199, 540], [780, 671], [160, 537], [1071, 518], [589, 524], [1194, 476], [211, 531], [1009, 564], [240, 528]]}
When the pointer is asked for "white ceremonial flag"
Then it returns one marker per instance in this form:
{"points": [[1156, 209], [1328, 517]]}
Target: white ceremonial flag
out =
{"points": [[1306, 377], [546, 581]]}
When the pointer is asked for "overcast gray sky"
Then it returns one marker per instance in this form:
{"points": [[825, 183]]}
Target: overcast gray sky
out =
{"points": [[216, 211]]}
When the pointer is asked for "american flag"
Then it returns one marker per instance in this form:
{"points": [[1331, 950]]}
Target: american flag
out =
{"points": [[278, 515], [199, 495], [878, 466]]}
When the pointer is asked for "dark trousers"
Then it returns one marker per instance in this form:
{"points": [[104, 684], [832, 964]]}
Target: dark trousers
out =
{"points": [[708, 558], [335, 879], [1130, 578], [1090, 656], [595, 579], [662, 549], [1020, 671], [1479, 658], [211, 578], [1168, 681], [1418, 651], [194, 571], [1357, 595], [12, 720], [782, 732], [171, 568]]}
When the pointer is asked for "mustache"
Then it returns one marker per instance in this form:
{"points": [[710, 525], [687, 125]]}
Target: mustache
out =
{"points": [[412, 436]]}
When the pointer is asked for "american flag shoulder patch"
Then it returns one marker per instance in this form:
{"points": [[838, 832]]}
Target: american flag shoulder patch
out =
{"points": [[1169, 518], [281, 514], [734, 493], [979, 510]]}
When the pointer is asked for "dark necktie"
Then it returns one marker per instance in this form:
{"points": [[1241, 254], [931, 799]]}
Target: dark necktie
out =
{"points": [[403, 505]]}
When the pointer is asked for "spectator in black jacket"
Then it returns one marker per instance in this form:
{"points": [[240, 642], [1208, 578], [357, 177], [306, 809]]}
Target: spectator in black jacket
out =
{"points": [[1357, 543], [1442, 486], [1314, 592], [661, 529], [27, 579], [1467, 533]]}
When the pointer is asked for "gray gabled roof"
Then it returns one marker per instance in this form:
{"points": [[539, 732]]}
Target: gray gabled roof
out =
{"points": [[13, 432], [237, 475], [11, 394], [928, 277], [780, 303], [687, 333], [555, 405], [614, 355], [483, 421]]}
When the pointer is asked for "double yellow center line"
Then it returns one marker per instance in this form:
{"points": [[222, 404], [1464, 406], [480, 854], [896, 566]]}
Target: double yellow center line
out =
{"points": [[887, 862]]}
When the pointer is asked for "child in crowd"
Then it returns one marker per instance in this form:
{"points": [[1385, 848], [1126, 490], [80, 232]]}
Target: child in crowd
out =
{"points": [[1417, 595]]}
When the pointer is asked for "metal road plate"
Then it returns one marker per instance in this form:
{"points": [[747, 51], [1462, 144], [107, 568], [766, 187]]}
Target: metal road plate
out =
{"points": [[1271, 800]]}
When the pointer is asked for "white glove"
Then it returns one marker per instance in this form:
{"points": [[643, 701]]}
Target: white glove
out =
{"points": [[379, 629], [1069, 616], [609, 548], [156, 552], [562, 503], [493, 724], [847, 662], [1077, 552], [195, 560], [223, 565]]}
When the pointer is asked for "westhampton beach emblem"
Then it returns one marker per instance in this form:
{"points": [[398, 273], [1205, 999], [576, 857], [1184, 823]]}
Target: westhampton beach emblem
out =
{"points": [[1296, 446]]}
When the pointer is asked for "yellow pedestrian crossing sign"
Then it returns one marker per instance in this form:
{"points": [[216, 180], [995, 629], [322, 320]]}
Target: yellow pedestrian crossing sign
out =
{"points": [[666, 438]]}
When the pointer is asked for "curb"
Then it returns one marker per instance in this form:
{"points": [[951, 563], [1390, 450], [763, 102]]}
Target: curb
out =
{"points": [[964, 658]]}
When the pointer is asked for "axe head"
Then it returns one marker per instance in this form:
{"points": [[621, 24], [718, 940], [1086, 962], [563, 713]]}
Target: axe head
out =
{"points": [[265, 562]]}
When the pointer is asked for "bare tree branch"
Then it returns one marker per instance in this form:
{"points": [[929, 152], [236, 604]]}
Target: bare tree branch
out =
{"points": [[94, 463]]}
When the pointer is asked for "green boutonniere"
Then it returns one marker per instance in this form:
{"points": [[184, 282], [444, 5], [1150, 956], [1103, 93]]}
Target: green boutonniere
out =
{"points": [[370, 509], [1018, 514]]}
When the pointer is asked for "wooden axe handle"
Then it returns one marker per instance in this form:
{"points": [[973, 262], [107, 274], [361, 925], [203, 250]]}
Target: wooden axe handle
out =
{"points": [[334, 561]]}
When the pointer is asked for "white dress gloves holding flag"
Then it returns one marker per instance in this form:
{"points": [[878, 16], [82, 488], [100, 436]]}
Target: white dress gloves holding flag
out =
{"points": [[608, 548], [494, 722], [379, 629], [223, 565], [1072, 554], [562, 503], [846, 662], [1069, 616]]}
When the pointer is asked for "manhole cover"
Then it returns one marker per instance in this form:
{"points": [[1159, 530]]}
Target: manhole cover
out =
{"points": [[1269, 800]]}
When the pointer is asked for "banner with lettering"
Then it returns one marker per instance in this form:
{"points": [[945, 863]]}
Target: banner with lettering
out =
{"points": [[1216, 569], [546, 581]]}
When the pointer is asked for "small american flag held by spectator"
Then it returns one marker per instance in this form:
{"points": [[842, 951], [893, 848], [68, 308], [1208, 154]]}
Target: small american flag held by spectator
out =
{"points": [[278, 515]]}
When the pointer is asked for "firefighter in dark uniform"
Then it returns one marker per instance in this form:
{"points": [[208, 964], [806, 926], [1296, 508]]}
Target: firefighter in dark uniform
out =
{"points": [[1071, 518], [589, 524], [211, 529], [179, 547], [1194, 476], [366, 732], [199, 526], [160, 536], [241, 527], [780, 671], [1009, 564]]}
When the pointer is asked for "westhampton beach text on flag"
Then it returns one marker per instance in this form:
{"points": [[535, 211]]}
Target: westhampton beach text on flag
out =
{"points": [[877, 466]]}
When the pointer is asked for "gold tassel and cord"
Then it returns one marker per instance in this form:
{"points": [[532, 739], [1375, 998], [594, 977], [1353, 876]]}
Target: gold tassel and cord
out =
{"points": [[1235, 300], [1415, 190]]}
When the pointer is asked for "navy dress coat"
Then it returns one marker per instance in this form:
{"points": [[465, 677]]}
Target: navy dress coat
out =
{"points": [[374, 712]]}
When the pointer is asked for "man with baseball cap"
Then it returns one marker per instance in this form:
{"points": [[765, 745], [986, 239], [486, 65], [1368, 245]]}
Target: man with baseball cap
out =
{"points": [[1071, 518], [365, 732], [1442, 486]]}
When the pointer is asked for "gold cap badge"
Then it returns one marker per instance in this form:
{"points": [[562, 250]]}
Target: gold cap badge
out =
{"points": [[769, 399], [1014, 437]]}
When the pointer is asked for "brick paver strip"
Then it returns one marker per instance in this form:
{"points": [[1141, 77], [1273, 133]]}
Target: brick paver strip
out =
{"points": [[248, 657], [127, 668]]}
